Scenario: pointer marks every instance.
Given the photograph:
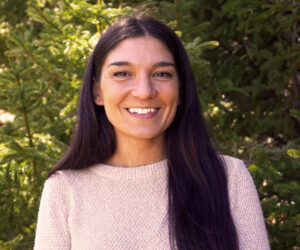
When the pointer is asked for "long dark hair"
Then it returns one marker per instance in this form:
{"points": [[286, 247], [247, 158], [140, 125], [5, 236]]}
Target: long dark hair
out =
{"points": [[199, 211]]}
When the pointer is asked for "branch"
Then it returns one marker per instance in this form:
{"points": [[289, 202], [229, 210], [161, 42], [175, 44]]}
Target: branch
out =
{"points": [[44, 91], [45, 19], [26, 117], [35, 61]]}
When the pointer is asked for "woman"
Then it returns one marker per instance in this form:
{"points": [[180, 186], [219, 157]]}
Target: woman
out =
{"points": [[141, 172]]}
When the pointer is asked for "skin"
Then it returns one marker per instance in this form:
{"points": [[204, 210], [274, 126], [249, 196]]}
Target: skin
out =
{"points": [[138, 73]]}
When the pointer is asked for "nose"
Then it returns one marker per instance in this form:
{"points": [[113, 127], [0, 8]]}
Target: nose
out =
{"points": [[144, 88]]}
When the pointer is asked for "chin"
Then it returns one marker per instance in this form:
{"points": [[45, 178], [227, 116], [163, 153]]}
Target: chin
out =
{"points": [[146, 135]]}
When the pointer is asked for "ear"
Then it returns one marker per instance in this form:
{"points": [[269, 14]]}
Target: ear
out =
{"points": [[97, 93]]}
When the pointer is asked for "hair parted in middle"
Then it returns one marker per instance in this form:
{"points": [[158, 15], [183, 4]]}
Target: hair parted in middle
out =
{"points": [[199, 212]]}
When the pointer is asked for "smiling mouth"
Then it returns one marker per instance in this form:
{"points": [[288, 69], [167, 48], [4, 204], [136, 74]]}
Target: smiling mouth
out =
{"points": [[142, 111]]}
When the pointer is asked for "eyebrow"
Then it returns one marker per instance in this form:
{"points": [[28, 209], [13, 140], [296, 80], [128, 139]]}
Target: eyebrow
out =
{"points": [[120, 63], [125, 63], [164, 64]]}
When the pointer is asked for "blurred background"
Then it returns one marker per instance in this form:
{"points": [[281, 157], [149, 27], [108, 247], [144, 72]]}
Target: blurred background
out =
{"points": [[246, 59]]}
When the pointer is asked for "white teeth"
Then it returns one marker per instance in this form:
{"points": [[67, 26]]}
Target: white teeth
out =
{"points": [[142, 111]]}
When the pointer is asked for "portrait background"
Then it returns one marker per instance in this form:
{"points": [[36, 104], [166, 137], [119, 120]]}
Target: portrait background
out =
{"points": [[246, 60]]}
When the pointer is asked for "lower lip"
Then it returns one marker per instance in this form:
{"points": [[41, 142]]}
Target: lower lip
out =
{"points": [[144, 116]]}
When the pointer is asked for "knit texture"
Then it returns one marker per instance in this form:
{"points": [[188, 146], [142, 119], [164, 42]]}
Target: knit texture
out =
{"points": [[117, 208]]}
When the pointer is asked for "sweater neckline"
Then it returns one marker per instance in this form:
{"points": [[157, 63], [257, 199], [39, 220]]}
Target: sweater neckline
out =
{"points": [[149, 171]]}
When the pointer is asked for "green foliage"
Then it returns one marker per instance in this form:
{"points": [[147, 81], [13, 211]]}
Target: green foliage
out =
{"points": [[11, 14], [9, 245], [249, 86], [277, 172], [245, 56], [253, 101], [257, 64], [40, 86]]}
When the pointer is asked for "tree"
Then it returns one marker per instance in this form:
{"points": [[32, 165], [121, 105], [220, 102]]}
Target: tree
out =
{"points": [[250, 94], [40, 85], [245, 56]]}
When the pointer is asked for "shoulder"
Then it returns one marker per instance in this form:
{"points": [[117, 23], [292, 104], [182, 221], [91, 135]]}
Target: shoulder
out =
{"points": [[68, 176], [62, 187], [245, 205], [64, 180], [234, 168], [231, 162], [239, 180]]}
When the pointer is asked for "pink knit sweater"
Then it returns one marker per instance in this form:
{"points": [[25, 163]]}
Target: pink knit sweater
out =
{"points": [[115, 208]]}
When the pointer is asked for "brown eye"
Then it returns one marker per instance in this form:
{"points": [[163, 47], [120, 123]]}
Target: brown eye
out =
{"points": [[121, 74], [162, 74]]}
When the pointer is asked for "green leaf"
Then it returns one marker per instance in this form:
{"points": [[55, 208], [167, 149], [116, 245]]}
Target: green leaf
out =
{"points": [[209, 45], [293, 153]]}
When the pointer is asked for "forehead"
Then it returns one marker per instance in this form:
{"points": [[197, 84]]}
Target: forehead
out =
{"points": [[140, 50]]}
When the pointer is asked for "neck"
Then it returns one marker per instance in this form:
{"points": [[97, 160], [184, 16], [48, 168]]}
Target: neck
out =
{"points": [[132, 152]]}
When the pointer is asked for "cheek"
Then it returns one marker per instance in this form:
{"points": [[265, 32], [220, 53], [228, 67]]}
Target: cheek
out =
{"points": [[108, 93], [113, 97], [170, 93]]}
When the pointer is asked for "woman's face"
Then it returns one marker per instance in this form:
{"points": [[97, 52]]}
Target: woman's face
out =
{"points": [[139, 88]]}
